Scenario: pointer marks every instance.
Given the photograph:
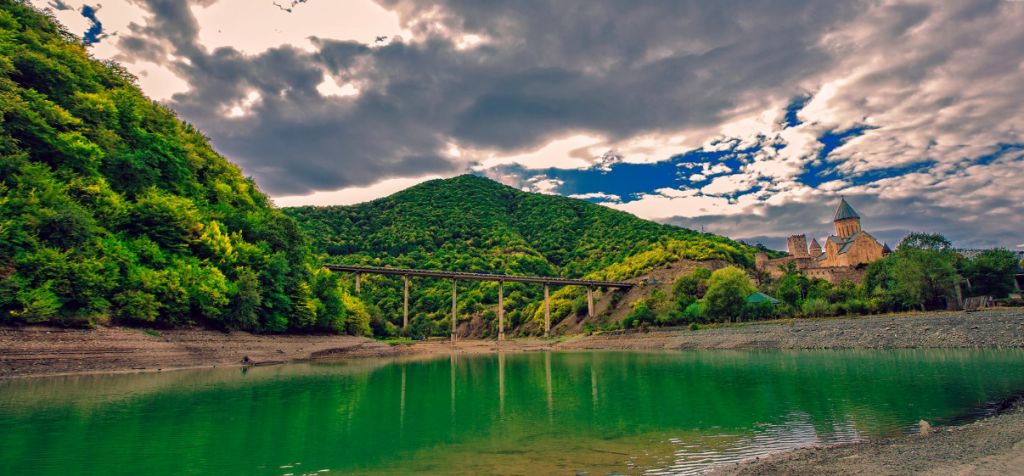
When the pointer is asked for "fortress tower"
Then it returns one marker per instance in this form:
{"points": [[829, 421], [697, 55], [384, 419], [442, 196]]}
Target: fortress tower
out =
{"points": [[797, 246], [846, 220]]}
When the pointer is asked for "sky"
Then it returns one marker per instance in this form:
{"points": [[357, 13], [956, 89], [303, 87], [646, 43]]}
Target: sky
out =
{"points": [[744, 118]]}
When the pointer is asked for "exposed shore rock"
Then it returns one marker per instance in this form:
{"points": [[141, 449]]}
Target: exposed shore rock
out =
{"points": [[987, 329], [986, 447]]}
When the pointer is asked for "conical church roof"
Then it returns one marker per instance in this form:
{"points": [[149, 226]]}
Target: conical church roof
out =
{"points": [[845, 211]]}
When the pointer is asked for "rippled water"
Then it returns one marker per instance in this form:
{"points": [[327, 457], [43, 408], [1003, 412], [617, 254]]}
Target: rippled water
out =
{"points": [[558, 413]]}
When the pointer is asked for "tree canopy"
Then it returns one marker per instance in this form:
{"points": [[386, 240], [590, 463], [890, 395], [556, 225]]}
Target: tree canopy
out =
{"points": [[112, 209]]}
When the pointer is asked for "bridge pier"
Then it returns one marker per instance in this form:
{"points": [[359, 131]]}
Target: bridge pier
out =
{"points": [[547, 281], [501, 310], [455, 311], [405, 304], [547, 311], [590, 301]]}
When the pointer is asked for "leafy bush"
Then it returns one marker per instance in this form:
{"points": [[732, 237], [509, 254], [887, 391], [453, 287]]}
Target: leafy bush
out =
{"points": [[816, 307], [728, 289]]}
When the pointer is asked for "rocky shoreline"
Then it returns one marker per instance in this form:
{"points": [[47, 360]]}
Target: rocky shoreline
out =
{"points": [[40, 351], [995, 328], [991, 446]]}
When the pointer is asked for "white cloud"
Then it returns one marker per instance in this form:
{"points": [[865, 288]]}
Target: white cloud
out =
{"points": [[352, 195], [598, 196], [256, 26], [244, 106], [545, 185], [330, 87], [572, 152]]}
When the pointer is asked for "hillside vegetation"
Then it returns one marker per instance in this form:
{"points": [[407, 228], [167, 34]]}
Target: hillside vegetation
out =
{"points": [[471, 223], [112, 209]]}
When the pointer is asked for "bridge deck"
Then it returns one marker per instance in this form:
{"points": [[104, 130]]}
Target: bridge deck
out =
{"points": [[477, 276]]}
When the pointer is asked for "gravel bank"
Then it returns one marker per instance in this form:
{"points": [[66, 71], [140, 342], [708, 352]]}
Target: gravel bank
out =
{"points": [[992, 328]]}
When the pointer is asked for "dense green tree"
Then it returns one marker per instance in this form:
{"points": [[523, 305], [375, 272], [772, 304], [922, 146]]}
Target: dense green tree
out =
{"points": [[926, 241], [112, 208], [990, 272], [727, 293]]}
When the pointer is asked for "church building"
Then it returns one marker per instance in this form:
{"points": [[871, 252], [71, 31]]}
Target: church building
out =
{"points": [[844, 256]]}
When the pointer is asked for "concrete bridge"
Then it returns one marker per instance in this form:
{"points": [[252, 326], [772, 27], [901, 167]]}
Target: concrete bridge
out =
{"points": [[455, 276]]}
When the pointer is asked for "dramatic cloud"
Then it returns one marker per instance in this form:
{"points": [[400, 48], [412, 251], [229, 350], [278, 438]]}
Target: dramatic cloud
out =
{"points": [[747, 118]]}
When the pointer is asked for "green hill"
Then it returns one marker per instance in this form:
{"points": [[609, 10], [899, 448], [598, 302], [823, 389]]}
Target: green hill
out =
{"points": [[470, 223], [112, 209]]}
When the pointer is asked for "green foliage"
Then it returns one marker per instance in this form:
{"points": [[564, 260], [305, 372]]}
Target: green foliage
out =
{"points": [[926, 241], [110, 207], [916, 277], [688, 289], [921, 274], [641, 314], [727, 293], [815, 307], [695, 312], [990, 273], [470, 223]]}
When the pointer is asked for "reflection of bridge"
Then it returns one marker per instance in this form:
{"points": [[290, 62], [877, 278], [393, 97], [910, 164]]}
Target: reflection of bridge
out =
{"points": [[500, 278]]}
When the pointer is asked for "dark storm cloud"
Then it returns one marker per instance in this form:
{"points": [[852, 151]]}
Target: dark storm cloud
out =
{"points": [[545, 69]]}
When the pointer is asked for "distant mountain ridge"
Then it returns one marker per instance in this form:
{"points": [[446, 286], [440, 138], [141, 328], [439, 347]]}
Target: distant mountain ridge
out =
{"points": [[471, 223]]}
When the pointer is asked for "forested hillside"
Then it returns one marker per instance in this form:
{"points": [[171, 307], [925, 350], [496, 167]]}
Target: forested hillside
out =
{"points": [[470, 223], [112, 209]]}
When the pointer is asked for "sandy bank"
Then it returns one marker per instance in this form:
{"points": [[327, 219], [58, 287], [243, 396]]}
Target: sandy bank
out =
{"points": [[30, 351]]}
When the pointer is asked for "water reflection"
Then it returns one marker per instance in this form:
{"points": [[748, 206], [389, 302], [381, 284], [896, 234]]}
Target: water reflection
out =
{"points": [[668, 413]]}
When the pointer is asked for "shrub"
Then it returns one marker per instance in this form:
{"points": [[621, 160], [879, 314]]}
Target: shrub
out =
{"points": [[816, 307], [728, 289], [695, 312]]}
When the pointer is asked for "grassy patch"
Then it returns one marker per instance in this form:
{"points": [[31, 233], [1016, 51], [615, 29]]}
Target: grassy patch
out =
{"points": [[151, 333]]}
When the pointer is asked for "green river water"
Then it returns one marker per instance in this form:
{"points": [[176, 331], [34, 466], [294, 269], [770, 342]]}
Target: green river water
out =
{"points": [[532, 413]]}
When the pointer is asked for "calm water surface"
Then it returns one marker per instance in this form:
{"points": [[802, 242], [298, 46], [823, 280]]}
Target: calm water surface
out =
{"points": [[558, 413]]}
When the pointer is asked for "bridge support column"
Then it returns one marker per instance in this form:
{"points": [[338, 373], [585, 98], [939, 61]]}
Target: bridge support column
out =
{"points": [[590, 301], [501, 310], [547, 311], [358, 276], [405, 304], [455, 310]]}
